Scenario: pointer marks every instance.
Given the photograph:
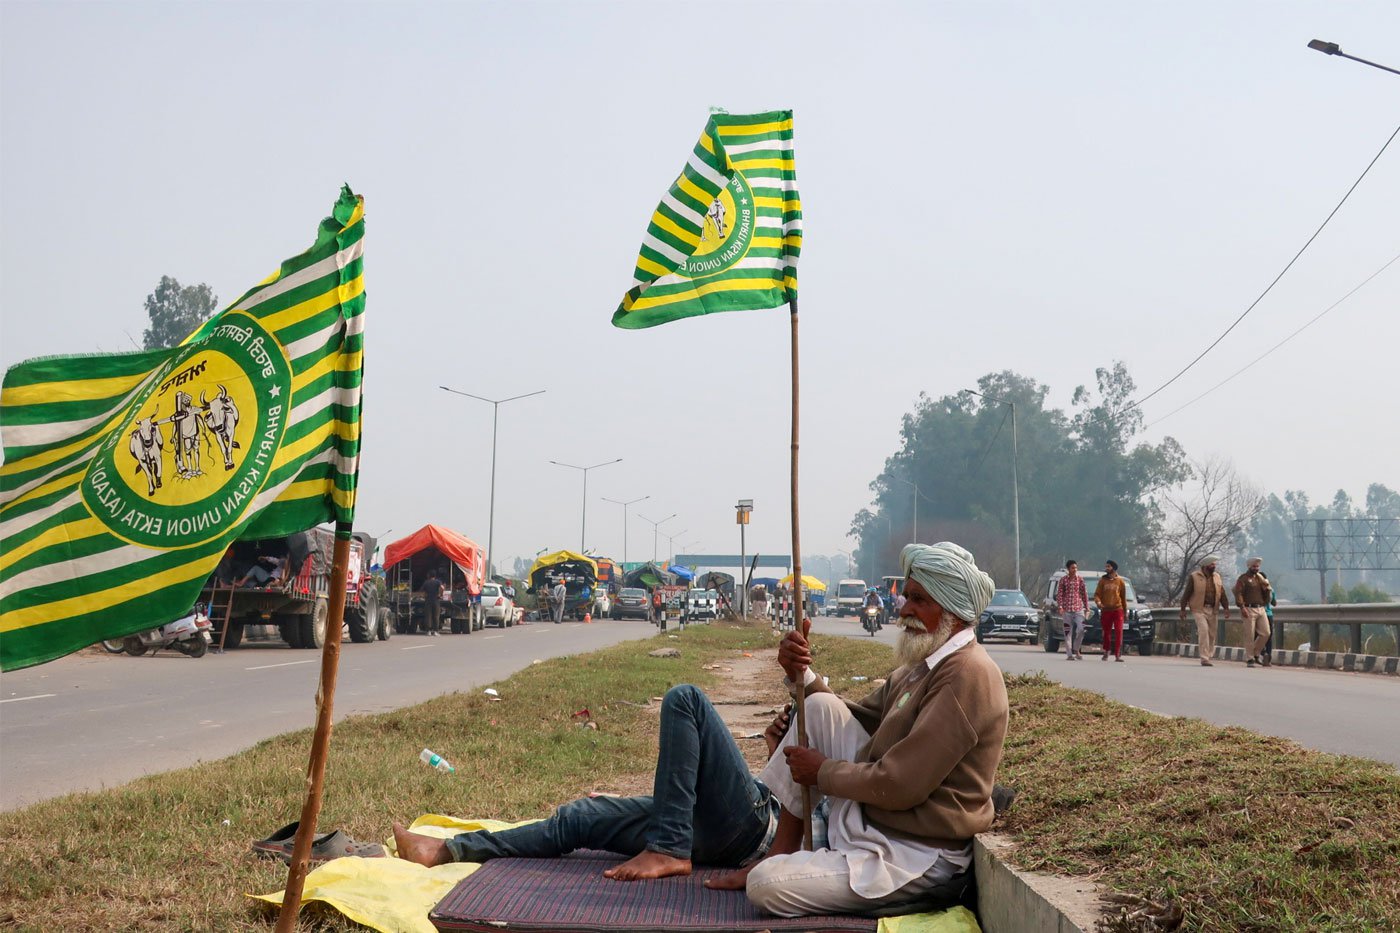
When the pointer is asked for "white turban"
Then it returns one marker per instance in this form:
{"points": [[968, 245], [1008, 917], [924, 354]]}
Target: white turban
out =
{"points": [[950, 575]]}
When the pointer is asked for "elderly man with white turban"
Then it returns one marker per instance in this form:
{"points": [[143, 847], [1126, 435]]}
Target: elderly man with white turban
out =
{"points": [[904, 777]]}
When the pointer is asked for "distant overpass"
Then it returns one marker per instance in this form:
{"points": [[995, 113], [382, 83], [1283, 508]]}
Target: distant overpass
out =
{"points": [[730, 561]]}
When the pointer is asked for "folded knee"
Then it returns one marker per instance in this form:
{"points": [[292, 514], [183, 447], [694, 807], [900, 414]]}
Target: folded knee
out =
{"points": [[825, 704], [682, 695], [767, 890]]}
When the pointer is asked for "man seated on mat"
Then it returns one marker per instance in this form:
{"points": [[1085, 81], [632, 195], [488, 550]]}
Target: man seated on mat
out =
{"points": [[904, 776]]}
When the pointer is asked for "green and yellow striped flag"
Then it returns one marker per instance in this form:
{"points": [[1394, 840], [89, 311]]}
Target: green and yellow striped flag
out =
{"points": [[727, 235], [127, 476]]}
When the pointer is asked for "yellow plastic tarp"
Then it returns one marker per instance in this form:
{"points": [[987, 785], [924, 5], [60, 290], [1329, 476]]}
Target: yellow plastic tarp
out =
{"points": [[559, 557], [395, 896], [389, 894], [808, 583]]}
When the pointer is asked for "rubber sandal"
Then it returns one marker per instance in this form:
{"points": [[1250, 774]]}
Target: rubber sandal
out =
{"points": [[338, 844], [278, 841], [281, 843]]}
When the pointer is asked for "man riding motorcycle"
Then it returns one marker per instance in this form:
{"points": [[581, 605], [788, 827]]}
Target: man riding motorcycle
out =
{"points": [[873, 598]]}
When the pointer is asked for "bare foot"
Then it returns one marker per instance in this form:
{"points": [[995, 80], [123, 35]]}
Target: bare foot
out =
{"points": [[736, 880], [649, 865], [422, 850]]}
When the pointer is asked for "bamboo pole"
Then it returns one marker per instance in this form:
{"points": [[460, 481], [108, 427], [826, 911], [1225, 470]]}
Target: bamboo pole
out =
{"points": [[321, 741], [797, 614]]}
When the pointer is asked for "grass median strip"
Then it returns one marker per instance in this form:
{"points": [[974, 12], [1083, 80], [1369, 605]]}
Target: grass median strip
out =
{"points": [[1245, 832]]}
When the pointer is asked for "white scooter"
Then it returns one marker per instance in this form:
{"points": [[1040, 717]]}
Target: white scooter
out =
{"points": [[191, 634]]}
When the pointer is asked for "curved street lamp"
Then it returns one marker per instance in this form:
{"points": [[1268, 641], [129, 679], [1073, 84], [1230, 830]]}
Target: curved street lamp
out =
{"points": [[495, 412], [1332, 48], [655, 525], [624, 518], [584, 469]]}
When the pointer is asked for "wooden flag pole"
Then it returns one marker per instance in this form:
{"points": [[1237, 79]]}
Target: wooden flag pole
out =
{"points": [[321, 742], [797, 602]]}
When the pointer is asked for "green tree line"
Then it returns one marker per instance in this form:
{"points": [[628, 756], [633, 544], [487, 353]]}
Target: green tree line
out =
{"points": [[1090, 489]]}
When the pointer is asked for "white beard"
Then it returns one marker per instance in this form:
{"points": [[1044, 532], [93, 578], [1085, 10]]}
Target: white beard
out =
{"points": [[913, 647]]}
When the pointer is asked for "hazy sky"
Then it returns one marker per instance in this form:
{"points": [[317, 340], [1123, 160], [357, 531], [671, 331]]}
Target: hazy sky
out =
{"points": [[1038, 187]]}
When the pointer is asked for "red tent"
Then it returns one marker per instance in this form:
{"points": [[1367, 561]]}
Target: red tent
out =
{"points": [[464, 553]]}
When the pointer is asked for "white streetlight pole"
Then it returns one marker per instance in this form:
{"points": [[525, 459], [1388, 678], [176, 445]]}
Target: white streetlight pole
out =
{"points": [[1331, 48], [1015, 479], [495, 413], [624, 519], [917, 495], [671, 543], [655, 526], [583, 530]]}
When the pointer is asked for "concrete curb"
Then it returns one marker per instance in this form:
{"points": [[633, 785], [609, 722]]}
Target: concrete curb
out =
{"points": [[1327, 660], [1014, 901]]}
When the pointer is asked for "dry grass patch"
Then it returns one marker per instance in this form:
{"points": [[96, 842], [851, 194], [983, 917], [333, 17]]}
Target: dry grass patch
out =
{"points": [[1244, 832]]}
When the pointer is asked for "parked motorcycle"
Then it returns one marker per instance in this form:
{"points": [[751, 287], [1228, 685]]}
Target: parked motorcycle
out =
{"points": [[190, 634], [870, 619]]}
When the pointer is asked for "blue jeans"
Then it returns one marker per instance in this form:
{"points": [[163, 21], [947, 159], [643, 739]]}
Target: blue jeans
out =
{"points": [[705, 806]]}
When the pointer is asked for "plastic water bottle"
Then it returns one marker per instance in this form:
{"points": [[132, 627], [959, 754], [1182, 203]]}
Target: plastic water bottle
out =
{"points": [[433, 760]]}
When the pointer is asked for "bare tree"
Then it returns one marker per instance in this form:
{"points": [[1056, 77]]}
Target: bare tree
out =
{"points": [[1205, 515]]}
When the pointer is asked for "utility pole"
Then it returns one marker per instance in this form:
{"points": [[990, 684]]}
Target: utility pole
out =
{"points": [[741, 518], [1015, 480]]}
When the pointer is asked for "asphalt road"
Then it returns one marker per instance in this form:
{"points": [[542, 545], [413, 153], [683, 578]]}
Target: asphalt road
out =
{"points": [[90, 721], [1331, 711]]}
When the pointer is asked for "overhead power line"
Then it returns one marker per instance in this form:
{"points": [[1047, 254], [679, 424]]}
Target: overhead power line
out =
{"points": [[983, 459], [1266, 291], [1276, 346]]}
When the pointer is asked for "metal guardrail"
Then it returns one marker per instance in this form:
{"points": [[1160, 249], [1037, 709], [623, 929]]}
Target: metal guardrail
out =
{"points": [[1349, 616], [1353, 616]]}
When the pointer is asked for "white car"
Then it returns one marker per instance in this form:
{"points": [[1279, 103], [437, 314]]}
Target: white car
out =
{"points": [[700, 605], [497, 608], [602, 604]]}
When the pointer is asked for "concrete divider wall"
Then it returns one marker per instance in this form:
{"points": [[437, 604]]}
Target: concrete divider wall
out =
{"points": [[1331, 660], [1014, 901]]}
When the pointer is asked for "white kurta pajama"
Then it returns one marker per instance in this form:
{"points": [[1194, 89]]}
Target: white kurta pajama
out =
{"points": [[861, 868]]}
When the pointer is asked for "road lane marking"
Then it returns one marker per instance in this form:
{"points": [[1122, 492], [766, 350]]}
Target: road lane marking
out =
{"points": [[37, 696], [415, 647], [263, 667], [489, 637]]}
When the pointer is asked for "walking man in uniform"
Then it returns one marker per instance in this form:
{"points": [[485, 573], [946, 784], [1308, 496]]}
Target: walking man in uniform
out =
{"points": [[1252, 593], [1205, 592]]}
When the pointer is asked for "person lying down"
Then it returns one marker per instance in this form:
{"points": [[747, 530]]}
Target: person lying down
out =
{"points": [[904, 776]]}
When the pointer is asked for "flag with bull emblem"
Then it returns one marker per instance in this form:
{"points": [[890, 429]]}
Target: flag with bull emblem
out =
{"points": [[727, 234], [127, 476]]}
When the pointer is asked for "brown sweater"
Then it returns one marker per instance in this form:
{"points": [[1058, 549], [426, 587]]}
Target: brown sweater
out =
{"points": [[1111, 593], [928, 768]]}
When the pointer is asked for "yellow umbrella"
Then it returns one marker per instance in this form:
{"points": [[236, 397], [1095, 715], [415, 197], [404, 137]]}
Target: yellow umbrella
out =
{"points": [[808, 583]]}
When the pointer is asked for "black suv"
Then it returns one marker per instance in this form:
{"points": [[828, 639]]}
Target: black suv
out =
{"points": [[1009, 615], [1138, 627]]}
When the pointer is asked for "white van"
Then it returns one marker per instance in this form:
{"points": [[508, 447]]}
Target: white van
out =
{"points": [[850, 596]]}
